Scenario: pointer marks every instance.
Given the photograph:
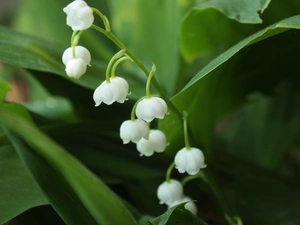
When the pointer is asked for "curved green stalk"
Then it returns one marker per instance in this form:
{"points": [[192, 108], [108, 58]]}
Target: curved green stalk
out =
{"points": [[113, 70], [200, 175], [169, 171], [185, 131], [134, 108], [114, 39], [111, 63], [151, 75]]}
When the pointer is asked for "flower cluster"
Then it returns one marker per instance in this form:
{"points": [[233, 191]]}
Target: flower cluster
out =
{"points": [[137, 130], [116, 89]]}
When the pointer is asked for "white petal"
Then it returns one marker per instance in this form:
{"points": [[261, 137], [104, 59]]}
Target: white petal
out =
{"points": [[169, 192], [133, 131], [75, 68], [150, 108], [80, 52], [79, 15], [190, 205]]}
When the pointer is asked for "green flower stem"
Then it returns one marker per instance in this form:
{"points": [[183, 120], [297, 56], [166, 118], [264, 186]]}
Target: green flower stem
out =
{"points": [[111, 63], [114, 39], [151, 75], [72, 45], [185, 131], [113, 70], [200, 175], [74, 41], [134, 108], [169, 171], [103, 18]]}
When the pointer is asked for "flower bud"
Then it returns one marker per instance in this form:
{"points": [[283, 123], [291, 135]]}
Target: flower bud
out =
{"points": [[169, 192], [156, 142], [75, 68], [134, 130], [189, 160], [150, 108], [80, 52], [190, 205], [79, 15], [114, 91]]}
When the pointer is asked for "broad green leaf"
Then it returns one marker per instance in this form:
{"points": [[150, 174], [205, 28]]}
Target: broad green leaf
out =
{"points": [[77, 194], [150, 29], [210, 94], [244, 11], [259, 197], [177, 215], [18, 191], [206, 32], [89, 200], [265, 128], [124, 162]]}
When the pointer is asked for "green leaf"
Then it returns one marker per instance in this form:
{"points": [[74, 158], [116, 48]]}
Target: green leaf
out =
{"points": [[177, 215], [76, 194], [244, 11], [265, 128], [209, 98], [153, 37], [272, 199], [18, 191], [206, 32]]}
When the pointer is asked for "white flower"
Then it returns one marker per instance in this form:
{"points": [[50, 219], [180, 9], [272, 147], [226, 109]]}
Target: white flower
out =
{"points": [[79, 15], [80, 52], [75, 68], [114, 91], [189, 160], [169, 192], [150, 108], [157, 142], [134, 130], [191, 206]]}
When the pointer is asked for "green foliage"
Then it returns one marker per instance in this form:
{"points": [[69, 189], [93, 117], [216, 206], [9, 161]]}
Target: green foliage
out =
{"points": [[237, 79], [18, 191], [244, 11], [177, 215], [92, 201]]}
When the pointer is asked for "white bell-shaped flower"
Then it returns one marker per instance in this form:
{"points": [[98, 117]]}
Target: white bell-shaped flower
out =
{"points": [[189, 160], [190, 205], [169, 192], [79, 15], [134, 130], [109, 92], [150, 108], [157, 142], [80, 52], [75, 68]]}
